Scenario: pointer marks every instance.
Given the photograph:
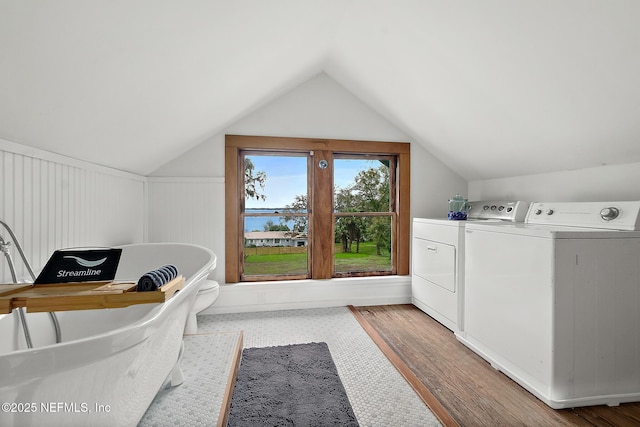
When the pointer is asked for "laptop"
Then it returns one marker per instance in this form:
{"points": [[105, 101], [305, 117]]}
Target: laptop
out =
{"points": [[80, 265]]}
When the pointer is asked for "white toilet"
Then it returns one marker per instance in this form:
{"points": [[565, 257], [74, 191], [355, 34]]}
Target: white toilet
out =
{"points": [[207, 295]]}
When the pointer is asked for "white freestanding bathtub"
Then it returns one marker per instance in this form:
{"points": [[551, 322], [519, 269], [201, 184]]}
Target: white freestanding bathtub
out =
{"points": [[110, 363]]}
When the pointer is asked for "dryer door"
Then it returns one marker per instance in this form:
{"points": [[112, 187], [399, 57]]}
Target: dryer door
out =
{"points": [[435, 262]]}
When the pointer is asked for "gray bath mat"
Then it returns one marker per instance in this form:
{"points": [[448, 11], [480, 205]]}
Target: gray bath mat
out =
{"points": [[292, 385]]}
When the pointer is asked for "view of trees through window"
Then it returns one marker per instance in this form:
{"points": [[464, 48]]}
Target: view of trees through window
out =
{"points": [[362, 212], [276, 220]]}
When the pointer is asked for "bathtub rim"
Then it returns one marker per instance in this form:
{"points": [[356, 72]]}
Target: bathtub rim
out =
{"points": [[152, 316]]}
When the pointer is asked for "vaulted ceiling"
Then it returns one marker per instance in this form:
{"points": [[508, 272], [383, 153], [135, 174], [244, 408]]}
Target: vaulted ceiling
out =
{"points": [[492, 88]]}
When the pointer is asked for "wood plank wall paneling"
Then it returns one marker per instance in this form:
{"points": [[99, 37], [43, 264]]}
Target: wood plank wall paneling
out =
{"points": [[50, 204], [185, 210]]}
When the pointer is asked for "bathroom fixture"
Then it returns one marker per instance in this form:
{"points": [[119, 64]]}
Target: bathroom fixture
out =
{"points": [[207, 295], [5, 248], [116, 357]]}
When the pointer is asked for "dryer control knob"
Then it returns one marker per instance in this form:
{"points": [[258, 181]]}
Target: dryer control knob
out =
{"points": [[537, 212], [609, 213], [549, 212]]}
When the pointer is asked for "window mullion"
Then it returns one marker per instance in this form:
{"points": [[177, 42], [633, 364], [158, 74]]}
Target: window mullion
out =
{"points": [[322, 215]]}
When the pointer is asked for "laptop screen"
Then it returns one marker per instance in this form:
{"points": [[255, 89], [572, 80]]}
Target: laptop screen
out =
{"points": [[80, 265]]}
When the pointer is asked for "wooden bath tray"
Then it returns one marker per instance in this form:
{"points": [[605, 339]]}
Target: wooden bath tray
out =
{"points": [[81, 296]]}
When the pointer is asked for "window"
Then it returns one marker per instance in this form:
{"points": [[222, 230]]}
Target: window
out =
{"points": [[274, 183], [363, 214], [325, 208]]}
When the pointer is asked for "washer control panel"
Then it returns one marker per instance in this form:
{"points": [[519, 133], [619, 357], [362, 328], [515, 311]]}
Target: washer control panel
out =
{"points": [[608, 215]]}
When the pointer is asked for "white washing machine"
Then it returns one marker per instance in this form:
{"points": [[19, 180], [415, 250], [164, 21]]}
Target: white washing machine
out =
{"points": [[554, 303], [437, 281]]}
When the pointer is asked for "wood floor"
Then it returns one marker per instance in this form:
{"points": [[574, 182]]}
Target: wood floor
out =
{"points": [[468, 389]]}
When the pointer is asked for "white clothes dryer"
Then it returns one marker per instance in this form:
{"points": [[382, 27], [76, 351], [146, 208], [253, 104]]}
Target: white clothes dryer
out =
{"points": [[554, 303], [437, 281]]}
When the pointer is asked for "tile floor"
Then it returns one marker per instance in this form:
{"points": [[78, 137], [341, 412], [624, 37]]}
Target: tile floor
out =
{"points": [[378, 393]]}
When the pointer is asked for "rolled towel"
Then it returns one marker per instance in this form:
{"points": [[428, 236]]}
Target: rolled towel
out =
{"points": [[164, 274], [149, 282], [154, 279], [159, 277], [170, 271]]}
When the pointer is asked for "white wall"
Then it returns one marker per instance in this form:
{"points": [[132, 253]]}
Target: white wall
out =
{"points": [[53, 202], [188, 210], [604, 183], [319, 108]]}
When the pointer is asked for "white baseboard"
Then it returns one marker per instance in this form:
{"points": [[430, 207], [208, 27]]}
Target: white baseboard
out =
{"points": [[298, 294]]}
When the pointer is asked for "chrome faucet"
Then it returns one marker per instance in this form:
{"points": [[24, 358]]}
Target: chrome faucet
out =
{"points": [[5, 248]]}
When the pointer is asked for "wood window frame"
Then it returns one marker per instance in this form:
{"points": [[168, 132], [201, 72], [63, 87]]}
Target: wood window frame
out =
{"points": [[321, 201]]}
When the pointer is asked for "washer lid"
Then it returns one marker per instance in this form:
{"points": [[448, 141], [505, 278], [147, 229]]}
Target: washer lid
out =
{"points": [[550, 231]]}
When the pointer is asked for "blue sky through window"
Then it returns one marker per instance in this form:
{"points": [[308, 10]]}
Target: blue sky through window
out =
{"points": [[287, 178]]}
